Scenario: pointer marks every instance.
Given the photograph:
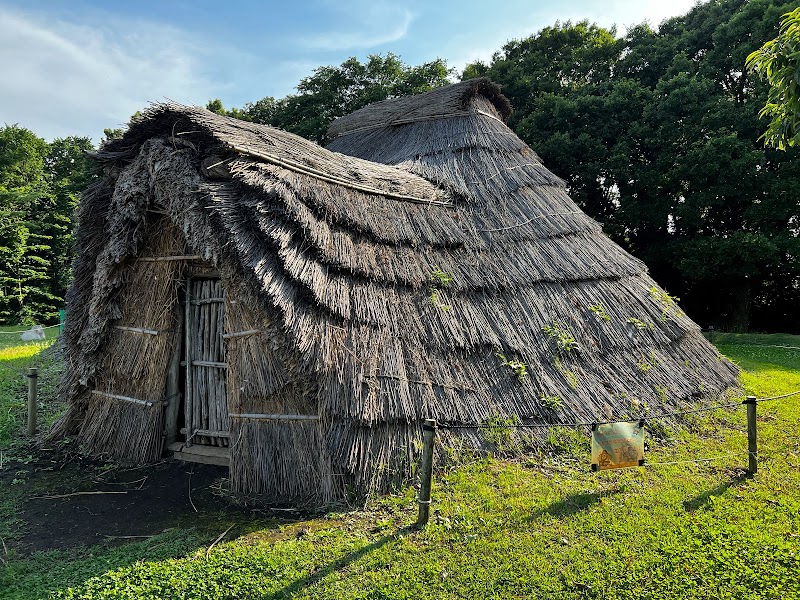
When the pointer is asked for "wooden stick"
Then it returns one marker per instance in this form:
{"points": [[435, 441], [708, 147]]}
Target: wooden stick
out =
{"points": [[187, 407], [426, 472], [33, 399], [752, 438], [219, 538], [274, 417], [209, 363], [168, 258], [137, 330], [147, 403], [56, 496], [236, 334]]}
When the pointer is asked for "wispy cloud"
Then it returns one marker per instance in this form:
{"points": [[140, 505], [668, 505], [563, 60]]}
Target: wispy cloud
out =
{"points": [[366, 25], [68, 78]]}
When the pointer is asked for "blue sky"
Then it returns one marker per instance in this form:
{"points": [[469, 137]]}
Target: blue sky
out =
{"points": [[73, 68]]}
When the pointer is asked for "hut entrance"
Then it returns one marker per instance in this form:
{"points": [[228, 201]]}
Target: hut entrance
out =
{"points": [[207, 425]]}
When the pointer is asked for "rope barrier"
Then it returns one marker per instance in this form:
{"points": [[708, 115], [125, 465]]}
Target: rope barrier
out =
{"points": [[24, 330], [591, 423], [771, 398]]}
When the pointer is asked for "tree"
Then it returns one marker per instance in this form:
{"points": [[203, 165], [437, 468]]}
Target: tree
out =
{"points": [[778, 62], [23, 262], [656, 136], [39, 188], [332, 92]]}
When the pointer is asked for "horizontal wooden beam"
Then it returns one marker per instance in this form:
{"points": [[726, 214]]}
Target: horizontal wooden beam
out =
{"points": [[168, 258], [236, 334], [274, 417], [137, 330], [208, 363], [147, 403], [207, 433], [208, 301]]}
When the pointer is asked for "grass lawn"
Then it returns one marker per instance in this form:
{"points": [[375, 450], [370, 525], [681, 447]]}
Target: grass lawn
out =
{"points": [[532, 526]]}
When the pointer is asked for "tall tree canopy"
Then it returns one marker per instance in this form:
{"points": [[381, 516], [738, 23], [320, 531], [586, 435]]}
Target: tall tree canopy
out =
{"points": [[657, 134], [778, 62], [332, 92], [39, 188]]}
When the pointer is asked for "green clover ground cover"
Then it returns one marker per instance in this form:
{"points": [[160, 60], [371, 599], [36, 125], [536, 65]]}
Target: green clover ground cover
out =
{"points": [[536, 526]]}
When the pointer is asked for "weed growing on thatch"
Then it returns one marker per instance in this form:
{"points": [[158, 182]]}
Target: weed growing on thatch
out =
{"points": [[437, 281], [662, 393], [643, 365], [550, 402], [565, 341], [568, 441], [639, 324], [499, 432], [668, 302], [600, 312], [519, 368], [570, 376]]}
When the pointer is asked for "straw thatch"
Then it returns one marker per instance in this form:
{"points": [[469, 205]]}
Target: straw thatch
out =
{"points": [[413, 279]]}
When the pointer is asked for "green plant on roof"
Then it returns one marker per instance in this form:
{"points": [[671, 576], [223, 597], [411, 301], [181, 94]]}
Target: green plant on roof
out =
{"points": [[437, 281], [662, 393], [499, 431], [643, 365], [519, 368], [570, 376], [563, 339], [550, 402], [600, 312], [667, 301], [440, 279], [639, 324]]}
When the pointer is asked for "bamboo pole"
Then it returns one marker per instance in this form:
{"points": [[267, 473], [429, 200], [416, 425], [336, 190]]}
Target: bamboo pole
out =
{"points": [[752, 438], [33, 399], [426, 472], [173, 384], [187, 407]]}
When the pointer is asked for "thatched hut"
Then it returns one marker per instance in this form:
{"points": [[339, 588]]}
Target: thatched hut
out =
{"points": [[243, 295]]}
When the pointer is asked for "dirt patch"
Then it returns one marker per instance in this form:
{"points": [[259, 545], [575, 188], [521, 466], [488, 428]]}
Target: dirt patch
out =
{"points": [[67, 500]]}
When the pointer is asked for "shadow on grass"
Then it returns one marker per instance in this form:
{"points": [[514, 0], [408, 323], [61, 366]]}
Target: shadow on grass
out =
{"points": [[572, 504], [296, 586], [703, 500]]}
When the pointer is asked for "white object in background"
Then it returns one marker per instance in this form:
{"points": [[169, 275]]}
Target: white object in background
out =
{"points": [[34, 333]]}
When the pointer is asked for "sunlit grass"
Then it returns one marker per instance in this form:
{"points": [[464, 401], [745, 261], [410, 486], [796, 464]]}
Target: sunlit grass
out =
{"points": [[535, 526]]}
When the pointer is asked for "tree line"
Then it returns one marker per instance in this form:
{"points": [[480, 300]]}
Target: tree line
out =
{"points": [[657, 133]]}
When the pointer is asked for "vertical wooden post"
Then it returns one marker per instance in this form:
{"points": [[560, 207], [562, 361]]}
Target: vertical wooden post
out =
{"points": [[752, 439], [187, 388], [33, 399], [426, 472], [173, 382]]}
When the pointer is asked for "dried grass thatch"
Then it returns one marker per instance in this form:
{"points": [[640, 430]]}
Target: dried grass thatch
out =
{"points": [[400, 283]]}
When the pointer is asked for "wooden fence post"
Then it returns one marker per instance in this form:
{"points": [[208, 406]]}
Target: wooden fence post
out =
{"points": [[752, 439], [426, 472], [33, 399]]}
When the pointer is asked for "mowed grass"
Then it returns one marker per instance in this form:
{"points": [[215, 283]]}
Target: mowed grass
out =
{"points": [[532, 526], [16, 357]]}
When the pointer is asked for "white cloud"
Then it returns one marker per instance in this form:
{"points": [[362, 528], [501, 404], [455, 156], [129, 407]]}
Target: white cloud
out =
{"points": [[369, 24], [63, 79]]}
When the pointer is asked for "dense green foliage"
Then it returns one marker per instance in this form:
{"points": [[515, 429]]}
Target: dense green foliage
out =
{"points": [[536, 526], [333, 92], [778, 62], [657, 135], [40, 184]]}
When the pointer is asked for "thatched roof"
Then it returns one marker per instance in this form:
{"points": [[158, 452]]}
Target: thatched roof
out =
{"points": [[427, 241]]}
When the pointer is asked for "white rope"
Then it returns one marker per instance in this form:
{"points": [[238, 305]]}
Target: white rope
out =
{"points": [[24, 330]]}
